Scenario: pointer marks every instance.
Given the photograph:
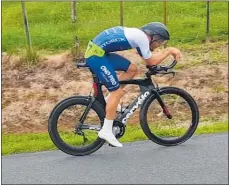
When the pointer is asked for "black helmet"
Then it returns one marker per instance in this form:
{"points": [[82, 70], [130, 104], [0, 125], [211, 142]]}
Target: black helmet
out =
{"points": [[156, 28]]}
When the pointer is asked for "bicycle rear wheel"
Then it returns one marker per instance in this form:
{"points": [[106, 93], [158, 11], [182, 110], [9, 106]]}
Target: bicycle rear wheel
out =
{"points": [[63, 123], [170, 132]]}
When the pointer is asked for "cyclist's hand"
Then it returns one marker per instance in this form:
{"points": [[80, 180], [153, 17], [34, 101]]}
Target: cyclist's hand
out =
{"points": [[175, 53]]}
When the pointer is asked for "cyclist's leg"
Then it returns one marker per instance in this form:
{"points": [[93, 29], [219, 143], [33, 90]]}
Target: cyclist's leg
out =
{"points": [[107, 75], [120, 63], [104, 71]]}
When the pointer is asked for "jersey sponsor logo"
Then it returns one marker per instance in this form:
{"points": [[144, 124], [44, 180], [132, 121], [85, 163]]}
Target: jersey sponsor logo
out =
{"points": [[139, 102], [109, 75], [112, 41]]}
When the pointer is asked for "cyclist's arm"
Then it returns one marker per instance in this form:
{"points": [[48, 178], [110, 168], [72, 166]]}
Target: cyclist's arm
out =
{"points": [[157, 58], [144, 51]]}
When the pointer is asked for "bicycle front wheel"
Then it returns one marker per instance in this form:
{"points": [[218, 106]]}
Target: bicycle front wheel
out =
{"points": [[169, 132]]}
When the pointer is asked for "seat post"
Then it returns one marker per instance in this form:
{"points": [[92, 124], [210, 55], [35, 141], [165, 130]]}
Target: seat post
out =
{"points": [[97, 86]]}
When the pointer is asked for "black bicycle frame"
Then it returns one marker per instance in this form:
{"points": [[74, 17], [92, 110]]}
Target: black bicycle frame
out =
{"points": [[146, 87]]}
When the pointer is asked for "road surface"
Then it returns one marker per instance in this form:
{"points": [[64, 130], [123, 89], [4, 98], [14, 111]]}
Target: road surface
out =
{"points": [[202, 159]]}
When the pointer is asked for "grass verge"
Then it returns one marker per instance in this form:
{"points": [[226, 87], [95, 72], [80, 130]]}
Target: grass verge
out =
{"points": [[51, 27], [15, 143]]}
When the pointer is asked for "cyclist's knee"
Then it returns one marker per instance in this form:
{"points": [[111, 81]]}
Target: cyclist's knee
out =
{"points": [[118, 93], [132, 69]]}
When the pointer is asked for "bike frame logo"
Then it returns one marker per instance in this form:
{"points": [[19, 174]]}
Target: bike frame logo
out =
{"points": [[139, 102]]}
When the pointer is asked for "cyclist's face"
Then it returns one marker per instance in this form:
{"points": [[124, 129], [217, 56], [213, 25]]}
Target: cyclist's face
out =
{"points": [[157, 42]]}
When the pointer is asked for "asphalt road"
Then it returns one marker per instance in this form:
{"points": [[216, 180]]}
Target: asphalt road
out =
{"points": [[202, 159]]}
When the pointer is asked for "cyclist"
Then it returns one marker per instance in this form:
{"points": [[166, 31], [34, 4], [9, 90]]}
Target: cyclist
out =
{"points": [[104, 63]]}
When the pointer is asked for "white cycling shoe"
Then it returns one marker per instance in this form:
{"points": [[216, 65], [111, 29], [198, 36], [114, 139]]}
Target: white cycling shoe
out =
{"points": [[109, 137]]}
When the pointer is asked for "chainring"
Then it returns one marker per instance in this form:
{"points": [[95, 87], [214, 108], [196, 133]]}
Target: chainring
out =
{"points": [[121, 127]]}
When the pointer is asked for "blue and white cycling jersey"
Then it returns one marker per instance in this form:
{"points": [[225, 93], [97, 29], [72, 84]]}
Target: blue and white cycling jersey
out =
{"points": [[117, 38], [121, 38]]}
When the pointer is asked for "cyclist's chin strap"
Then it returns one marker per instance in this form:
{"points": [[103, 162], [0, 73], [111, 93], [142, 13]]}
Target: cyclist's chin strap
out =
{"points": [[151, 41]]}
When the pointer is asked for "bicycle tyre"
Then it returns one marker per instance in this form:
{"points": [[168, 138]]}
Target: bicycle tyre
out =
{"points": [[53, 120], [195, 117]]}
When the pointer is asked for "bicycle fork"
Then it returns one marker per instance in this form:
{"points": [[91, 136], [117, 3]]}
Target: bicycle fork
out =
{"points": [[163, 106]]}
